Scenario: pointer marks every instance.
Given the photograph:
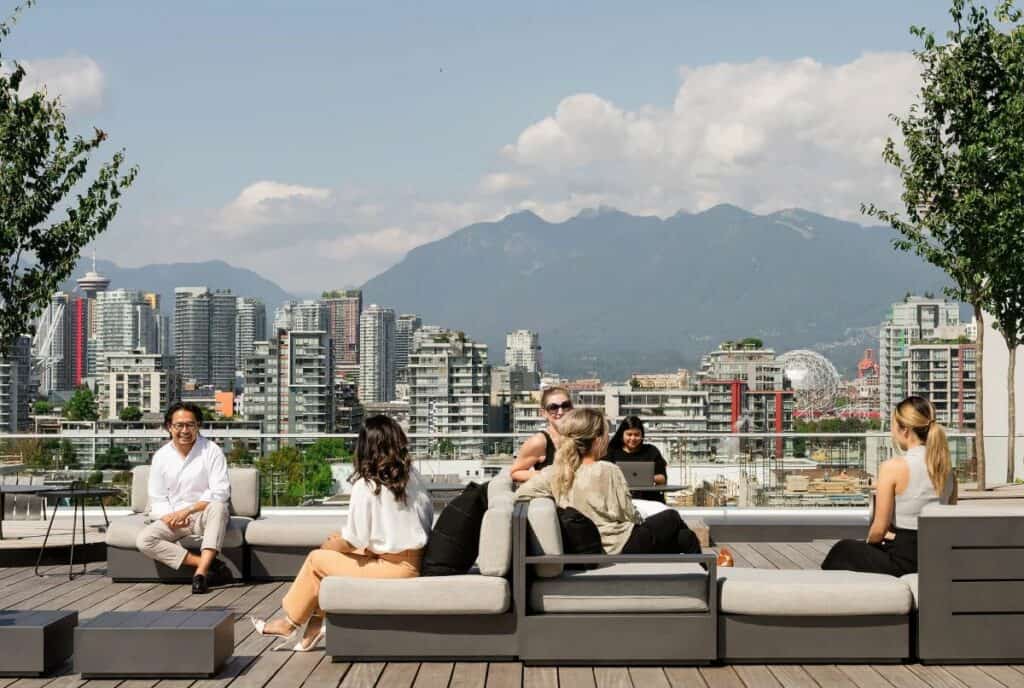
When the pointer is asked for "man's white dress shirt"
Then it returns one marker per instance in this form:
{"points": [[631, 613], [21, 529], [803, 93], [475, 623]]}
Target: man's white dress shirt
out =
{"points": [[176, 483]]}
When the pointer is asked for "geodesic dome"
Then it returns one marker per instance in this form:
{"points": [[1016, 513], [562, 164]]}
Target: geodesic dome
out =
{"points": [[815, 380]]}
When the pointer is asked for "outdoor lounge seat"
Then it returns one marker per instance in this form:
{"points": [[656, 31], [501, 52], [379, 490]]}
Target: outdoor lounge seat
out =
{"points": [[770, 615], [434, 617], [278, 545], [126, 563], [635, 609], [971, 583]]}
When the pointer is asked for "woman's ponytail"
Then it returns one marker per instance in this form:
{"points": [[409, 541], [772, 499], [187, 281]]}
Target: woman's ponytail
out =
{"points": [[937, 459]]}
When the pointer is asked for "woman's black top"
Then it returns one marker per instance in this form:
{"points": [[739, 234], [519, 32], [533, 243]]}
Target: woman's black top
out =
{"points": [[549, 452], [645, 452]]}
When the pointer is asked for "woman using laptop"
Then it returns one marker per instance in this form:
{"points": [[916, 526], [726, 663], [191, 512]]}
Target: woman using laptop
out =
{"points": [[598, 490], [539, 451], [627, 445]]}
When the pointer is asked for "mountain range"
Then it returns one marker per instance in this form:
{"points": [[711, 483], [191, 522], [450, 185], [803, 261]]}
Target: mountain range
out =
{"points": [[612, 293]]}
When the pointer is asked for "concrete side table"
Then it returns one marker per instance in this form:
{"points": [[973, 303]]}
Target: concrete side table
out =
{"points": [[154, 644], [33, 643]]}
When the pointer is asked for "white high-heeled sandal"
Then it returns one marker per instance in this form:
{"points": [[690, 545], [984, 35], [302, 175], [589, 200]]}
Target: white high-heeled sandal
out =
{"points": [[286, 640], [321, 634]]}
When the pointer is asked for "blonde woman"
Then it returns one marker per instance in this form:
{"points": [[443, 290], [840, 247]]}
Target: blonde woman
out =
{"points": [[598, 490], [539, 451], [906, 484]]}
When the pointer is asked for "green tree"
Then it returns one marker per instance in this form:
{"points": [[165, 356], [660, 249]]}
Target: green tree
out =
{"points": [[961, 172], [42, 407], [81, 405], [446, 448], [43, 227], [115, 458], [329, 448], [281, 469], [239, 455], [131, 413], [68, 455], [1006, 304]]}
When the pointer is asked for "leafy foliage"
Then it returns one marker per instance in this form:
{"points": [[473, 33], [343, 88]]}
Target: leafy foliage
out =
{"points": [[290, 475], [115, 458], [41, 166], [81, 405], [130, 413]]}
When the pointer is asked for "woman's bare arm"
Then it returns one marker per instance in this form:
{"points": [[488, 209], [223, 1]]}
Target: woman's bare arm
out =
{"points": [[530, 454]]}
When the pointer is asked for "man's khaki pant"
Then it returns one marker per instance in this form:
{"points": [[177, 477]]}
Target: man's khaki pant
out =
{"points": [[159, 541]]}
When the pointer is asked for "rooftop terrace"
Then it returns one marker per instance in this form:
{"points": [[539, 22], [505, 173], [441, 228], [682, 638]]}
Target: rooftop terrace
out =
{"points": [[256, 665]]}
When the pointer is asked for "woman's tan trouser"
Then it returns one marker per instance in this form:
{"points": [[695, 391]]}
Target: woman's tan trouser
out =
{"points": [[303, 597]]}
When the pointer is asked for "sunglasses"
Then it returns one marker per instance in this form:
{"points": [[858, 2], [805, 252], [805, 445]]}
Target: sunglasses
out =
{"points": [[553, 408]]}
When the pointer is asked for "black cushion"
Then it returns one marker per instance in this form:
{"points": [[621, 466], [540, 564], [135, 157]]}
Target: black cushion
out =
{"points": [[455, 539], [579, 535]]}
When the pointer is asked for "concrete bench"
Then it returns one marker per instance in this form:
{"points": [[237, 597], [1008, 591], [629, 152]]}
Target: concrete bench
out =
{"points": [[432, 618], [33, 643], [154, 644]]}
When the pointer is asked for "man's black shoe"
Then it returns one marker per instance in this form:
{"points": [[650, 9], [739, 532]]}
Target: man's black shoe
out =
{"points": [[199, 585], [220, 574]]}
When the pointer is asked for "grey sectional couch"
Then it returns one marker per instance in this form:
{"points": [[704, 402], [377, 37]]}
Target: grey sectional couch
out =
{"points": [[124, 561], [432, 618]]}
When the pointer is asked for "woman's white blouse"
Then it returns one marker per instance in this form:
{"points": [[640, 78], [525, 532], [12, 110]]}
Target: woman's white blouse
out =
{"points": [[383, 524]]}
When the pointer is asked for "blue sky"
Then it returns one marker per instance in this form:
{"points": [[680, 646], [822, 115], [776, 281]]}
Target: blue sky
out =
{"points": [[375, 127]]}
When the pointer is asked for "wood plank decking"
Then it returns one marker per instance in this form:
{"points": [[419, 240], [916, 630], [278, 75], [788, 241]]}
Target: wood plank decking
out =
{"points": [[256, 665]]}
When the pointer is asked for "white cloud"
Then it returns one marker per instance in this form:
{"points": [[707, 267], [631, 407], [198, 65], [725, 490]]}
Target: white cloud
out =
{"points": [[78, 81], [764, 135]]}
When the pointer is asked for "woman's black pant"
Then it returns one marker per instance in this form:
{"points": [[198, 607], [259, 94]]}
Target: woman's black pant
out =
{"points": [[895, 557], [662, 533]]}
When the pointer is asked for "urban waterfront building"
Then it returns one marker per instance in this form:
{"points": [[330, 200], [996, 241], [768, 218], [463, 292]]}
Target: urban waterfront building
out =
{"points": [[204, 337], [133, 378], [915, 320], [947, 375], [344, 307], [522, 350], [405, 327], [16, 386], [125, 321], [449, 389], [377, 355], [290, 383], [250, 327], [304, 316], [59, 347]]}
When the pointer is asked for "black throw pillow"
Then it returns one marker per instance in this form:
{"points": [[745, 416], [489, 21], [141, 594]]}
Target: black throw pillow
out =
{"points": [[454, 541], [579, 535]]}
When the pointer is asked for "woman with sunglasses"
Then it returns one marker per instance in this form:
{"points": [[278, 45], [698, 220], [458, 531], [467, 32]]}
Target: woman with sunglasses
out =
{"points": [[539, 451]]}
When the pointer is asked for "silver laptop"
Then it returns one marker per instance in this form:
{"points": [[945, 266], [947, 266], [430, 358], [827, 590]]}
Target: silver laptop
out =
{"points": [[638, 473]]}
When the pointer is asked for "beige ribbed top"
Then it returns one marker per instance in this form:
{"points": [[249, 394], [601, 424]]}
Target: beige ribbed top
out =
{"points": [[600, 493]]}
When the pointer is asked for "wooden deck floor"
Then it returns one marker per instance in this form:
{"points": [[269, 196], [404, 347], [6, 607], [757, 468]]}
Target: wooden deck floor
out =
{"points": [[256, 665]]}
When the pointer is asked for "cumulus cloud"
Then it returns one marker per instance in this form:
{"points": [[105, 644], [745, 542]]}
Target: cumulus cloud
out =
{"points": [[764, 134], [78, 81]]}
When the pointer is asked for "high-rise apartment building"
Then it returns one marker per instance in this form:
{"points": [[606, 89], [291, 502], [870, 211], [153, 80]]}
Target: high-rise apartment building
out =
{"points": [[125, 321], [377, 355], [251, 327], [204, 336], [133, 378], [290, 382], [405, 327], [16, 386], [344, 307], [60, 345], [915, 320], [947, 375], [522, 350], [305, 316], [449, 389]]}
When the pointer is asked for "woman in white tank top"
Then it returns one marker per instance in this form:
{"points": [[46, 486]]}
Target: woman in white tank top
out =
{"points": [[906, 484]]}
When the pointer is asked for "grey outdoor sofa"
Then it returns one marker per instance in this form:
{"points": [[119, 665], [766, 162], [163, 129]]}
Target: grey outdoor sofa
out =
{"points": [[633, 609], [276, 546], [126, 564], [432, 618]]}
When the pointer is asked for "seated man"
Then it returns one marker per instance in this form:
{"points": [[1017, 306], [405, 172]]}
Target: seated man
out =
{"points": [[188, 495]]}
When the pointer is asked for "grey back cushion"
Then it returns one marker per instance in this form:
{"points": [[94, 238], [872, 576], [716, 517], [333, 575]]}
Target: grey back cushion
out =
{"points": [[495, 555], [500, 485], [545, 535], [245, 491]]}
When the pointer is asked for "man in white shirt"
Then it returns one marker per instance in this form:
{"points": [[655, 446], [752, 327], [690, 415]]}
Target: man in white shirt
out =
{"points": [[188, 495]]}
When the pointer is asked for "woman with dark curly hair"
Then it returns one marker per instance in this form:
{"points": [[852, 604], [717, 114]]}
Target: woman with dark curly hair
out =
{"points": [[389, 519]]}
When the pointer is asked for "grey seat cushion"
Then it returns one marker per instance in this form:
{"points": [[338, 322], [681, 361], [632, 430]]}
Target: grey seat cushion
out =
{"points": [[649, 588], [770, 592], [303, 532], [495, 554], [245, 491], [500, 485], [545, 535], [441, 595], [124, 530], [911, 580]]}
